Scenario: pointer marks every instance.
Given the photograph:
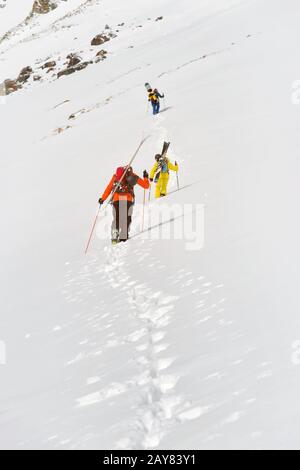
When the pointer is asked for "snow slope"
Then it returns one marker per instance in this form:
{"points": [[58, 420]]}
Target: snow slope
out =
{"points": [[152, 345]]}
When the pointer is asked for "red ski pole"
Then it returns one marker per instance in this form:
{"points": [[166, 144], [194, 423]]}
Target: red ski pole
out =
{"points": [[116, 188], [92, 231], [144, 204]]}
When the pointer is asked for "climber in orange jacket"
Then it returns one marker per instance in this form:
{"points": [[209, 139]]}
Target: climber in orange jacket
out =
{"points": [[121, 187]]}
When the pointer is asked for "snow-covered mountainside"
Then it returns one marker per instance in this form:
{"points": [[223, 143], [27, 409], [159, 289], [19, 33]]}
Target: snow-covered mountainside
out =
{"points": [[188, 335]]}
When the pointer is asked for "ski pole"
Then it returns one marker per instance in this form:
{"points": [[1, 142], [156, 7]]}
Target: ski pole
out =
{"points": [[144, 203], [114, 191], [92, 231], [149, 198], [177, 177]]}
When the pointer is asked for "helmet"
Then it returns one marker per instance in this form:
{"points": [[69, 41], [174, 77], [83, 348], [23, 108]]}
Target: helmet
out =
{"points": [[157, 157]]}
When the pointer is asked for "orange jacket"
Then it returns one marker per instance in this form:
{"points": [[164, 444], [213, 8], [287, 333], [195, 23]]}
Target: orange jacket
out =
{"points": [[144, 183]]}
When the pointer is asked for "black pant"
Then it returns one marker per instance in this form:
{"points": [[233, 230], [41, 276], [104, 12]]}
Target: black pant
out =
{"points": [[156, 107], [122, 212]]}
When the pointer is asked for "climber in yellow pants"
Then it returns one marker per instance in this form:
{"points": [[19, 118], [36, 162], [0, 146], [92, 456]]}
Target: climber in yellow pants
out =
{"points": [[160, 173]]}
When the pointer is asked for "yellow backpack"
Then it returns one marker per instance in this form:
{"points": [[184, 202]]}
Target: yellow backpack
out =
{"points": [[152, 96]]}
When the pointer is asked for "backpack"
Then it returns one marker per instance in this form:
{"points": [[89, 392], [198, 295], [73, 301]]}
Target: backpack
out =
{"points": [[162, 168], [163, 165], [153, 97], [121, 184], [120, 172]]}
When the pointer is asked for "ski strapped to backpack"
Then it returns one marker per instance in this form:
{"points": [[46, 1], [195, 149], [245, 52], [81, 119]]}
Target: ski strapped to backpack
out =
{"points": [[123, 187], [162, 161], [118, 185], [127, 184], [114, 191]]}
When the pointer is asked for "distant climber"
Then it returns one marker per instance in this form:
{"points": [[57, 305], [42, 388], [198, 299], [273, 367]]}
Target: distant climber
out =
{"points": [[160, 174], [154, 96], [121, 187]]}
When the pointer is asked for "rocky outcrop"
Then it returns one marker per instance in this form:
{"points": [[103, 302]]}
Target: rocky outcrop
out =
{"points": [[64, 72], [49, 65], [24, 75], [10, 86], [70, 70], [101, 55], [41, 7], [100, 39], [73, 59], [73, 62]]}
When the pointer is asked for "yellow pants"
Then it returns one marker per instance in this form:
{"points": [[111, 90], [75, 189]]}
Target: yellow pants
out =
{"points": [[162, 185]]}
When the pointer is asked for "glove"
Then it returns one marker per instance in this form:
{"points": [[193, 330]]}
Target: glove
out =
{"points": [[145, 174], [101, 201], [151, 179]]}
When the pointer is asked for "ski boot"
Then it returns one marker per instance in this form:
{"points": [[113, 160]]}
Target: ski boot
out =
{"points": [[115, 237]]}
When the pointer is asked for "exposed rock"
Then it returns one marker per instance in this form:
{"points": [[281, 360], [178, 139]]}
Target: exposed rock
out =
{"points": [[100, 39], [23, 78], [99, 59], [66, 72], [49, 65], [107, 26], [10, 86], [101, 53], [60, 104], [42, 7], [83, 65], [26, 70], [60, 130], [37, 78], [24, 74], [77, 68], [159, 18], [121, 24], [78, 113], [74, 59]]}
